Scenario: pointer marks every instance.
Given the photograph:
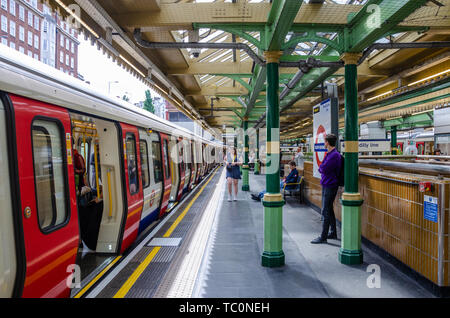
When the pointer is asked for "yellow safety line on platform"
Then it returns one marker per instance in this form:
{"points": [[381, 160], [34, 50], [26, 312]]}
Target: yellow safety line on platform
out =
{"points": [[141, 268], [92, 282], [134, 277], [181, 216]]}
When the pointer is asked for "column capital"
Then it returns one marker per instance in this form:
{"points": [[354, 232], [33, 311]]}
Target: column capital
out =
{"points": [[351, 58], [272, 56], [245, 118]]}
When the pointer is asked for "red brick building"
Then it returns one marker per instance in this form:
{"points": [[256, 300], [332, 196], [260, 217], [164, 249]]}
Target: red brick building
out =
{"points": [[31, 28]]}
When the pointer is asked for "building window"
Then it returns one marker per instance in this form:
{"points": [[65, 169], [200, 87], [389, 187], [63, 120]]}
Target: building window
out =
{"points": [[4, 41], [61, 40], [67, 44], [21, 33], [72, 47], [36, 56], [12, 7], [21, 49], [67, 59], [4, 24], [45, 45], [34, 3], [30, 38], [21, 13], [49, 173], [72, 62], [45, 60], [36, 42], [36, 22], [30, 54], [45, 26], [30, 18], [12, 28], [12, 45], [4, 5], [61, 57]]}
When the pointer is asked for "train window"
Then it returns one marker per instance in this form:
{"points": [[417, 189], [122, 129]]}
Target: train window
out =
{"points": [[49, 174], [144, 164], [157, 167], [133, 180], [166, 159]]}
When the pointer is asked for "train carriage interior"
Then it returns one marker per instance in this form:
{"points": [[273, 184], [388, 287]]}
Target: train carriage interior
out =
{"points": [[100, 208]]}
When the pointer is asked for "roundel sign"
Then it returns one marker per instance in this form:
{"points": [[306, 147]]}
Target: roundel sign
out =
{"points": [[319, 144]]}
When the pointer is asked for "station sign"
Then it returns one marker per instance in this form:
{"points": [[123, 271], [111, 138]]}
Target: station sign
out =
{"points": [[371, 145], [325, 121]]}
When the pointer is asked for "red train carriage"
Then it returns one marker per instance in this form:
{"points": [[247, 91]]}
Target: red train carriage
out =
{"points": [[85, 171]]}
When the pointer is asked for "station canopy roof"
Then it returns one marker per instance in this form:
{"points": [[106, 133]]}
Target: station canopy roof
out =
{"points": [[221, 87]]}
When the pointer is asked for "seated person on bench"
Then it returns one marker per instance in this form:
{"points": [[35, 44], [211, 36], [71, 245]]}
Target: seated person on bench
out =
{"points": [[291, 178]]}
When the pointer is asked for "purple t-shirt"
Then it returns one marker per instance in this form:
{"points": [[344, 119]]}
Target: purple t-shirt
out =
{"points": [[330, 168]]}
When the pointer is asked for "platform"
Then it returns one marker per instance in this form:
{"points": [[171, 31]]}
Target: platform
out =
{"points": [[232, 267], [211, 248]]}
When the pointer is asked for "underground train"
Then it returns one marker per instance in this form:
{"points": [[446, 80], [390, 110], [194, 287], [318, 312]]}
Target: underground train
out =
{"points": [[136, 167]]}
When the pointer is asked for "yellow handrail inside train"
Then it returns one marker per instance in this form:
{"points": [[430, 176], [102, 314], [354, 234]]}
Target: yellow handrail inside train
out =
{"points": [[96, 172], [109, 194]]}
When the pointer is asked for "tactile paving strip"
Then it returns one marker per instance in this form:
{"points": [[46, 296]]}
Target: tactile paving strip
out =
{"points": [[147, 284], [165, 241]]}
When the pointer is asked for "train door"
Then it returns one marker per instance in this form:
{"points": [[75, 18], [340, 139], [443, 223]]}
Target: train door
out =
{"points": [[192, 163], [135, 197], [101, 206], [182, 168], [11, 264], [152, 178], [165, 163], [187, 165], [174, 169], [200, 161], [48, 198]]}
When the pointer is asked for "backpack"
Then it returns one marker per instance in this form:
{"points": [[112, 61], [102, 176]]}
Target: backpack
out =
{"points": [[341, 176]]}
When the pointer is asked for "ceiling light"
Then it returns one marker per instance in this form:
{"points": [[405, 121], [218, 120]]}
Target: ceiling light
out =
{"points": [[429, 77]]}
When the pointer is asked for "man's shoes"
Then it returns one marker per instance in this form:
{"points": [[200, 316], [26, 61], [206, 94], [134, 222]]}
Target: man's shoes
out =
{"points": [[332, 236], [255, 197], [319, 240]]}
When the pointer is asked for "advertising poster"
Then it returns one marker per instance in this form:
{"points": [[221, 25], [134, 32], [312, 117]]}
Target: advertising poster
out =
{"points": [[325, 122]]}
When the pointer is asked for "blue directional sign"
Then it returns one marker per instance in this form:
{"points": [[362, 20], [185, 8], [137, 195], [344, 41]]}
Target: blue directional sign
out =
{"points": [[430, 208]]}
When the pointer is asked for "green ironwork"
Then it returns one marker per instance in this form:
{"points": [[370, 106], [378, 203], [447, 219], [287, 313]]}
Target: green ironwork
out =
{"points": [[350, 252], [245, 168], [394, 139]]}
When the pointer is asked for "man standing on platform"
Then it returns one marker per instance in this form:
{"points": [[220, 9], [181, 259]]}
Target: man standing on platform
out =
{"points": [[330, 170]]}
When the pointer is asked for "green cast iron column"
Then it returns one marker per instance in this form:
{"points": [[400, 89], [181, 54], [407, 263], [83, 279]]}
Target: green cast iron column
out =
{"points": [[245, 167], [394, 140], [350, 252], [273, 255], [256, 169]]}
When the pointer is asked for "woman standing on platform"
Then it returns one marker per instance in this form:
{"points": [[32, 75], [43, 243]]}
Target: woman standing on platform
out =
{"points": [[233, 173]]}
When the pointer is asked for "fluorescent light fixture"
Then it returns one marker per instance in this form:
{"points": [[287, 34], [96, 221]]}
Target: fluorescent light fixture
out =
{"points": [[375, 97], [76, 18], [429, 77], [129, 63]]}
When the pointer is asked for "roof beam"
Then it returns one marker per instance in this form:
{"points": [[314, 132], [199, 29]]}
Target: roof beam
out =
{"points": [[376, 19]]}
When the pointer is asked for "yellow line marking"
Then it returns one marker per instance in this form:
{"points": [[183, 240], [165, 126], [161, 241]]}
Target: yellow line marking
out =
{"points": [[92, 282], [181, 216], [141, 268], [134, 277]]}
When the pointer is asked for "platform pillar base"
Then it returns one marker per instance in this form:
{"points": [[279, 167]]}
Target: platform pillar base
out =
{"points": [[245, 181], [272, 259]]}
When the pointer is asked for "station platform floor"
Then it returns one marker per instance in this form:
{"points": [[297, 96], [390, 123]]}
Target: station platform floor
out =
{"points": [[232, 262], [207, 247]]}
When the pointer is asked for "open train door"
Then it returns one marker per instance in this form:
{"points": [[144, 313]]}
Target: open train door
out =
{"points": [[166, 172], [135, 196], [48, 198]]}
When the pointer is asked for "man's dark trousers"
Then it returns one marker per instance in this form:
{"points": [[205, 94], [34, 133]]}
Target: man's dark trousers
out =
{"points": [[329, 220]]}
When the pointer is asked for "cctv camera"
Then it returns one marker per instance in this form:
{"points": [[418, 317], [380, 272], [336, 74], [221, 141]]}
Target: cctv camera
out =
{"points": [[196, 54]]}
